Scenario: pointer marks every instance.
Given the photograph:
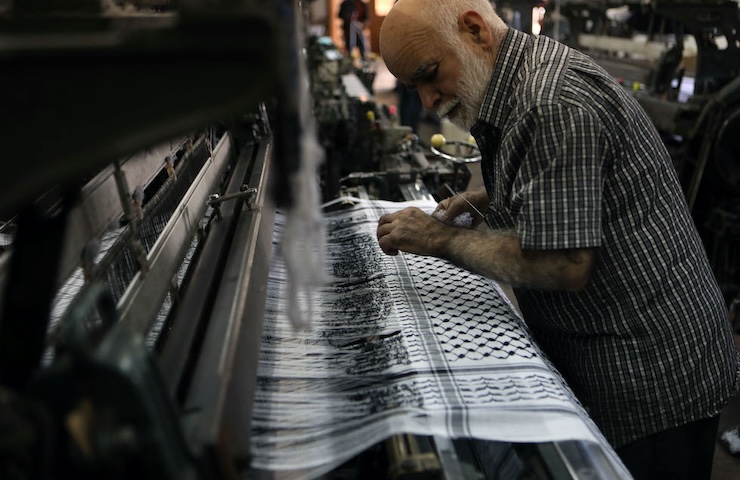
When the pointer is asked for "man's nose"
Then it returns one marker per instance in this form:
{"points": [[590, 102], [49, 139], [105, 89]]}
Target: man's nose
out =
{"points": [[430, 96]]}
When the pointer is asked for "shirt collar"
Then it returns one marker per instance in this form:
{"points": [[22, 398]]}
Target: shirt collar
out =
{"points": [[495, 107]]}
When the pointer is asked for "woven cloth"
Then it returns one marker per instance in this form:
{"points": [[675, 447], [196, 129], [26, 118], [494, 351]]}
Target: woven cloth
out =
{"points": [[398, 344]]}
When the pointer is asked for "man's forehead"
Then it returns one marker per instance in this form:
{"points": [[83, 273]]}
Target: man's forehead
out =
{"points": [[411, 66], [410, 52], [402, 23]]}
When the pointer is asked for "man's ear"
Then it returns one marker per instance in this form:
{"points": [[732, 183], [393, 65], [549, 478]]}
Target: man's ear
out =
{"points": [[472, 23]]}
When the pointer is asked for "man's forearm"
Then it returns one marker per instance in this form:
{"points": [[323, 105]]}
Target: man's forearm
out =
{"points": [[498, 255]]}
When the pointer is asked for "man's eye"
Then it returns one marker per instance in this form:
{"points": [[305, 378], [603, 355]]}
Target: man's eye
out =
{"points": [[431, 74], [423, 75]]}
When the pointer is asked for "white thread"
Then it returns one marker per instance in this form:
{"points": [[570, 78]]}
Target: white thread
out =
{"points": [[464, 220], [304, 241]]}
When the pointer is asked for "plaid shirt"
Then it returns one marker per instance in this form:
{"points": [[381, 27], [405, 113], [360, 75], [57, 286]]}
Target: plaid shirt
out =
{"points": [[570, 160]]}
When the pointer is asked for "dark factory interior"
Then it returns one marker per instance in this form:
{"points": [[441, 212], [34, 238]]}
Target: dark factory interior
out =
{"points": [[196, 202]]}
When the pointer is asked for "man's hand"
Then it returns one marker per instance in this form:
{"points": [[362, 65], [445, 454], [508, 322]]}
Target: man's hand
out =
{"points": [[450, 208], [411, 230], [493, 254]]}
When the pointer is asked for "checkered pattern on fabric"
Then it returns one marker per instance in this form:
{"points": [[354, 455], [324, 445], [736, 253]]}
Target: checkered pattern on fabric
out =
{"points": [[570, 160], [399, 344]]}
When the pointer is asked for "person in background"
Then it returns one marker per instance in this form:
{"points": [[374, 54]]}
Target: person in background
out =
{"points": [[409, 107], [588, 224], [354, 15]]}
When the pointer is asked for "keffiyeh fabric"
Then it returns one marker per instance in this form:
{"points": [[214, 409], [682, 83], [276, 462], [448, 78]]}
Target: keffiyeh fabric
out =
{"points": [[398, 344]]}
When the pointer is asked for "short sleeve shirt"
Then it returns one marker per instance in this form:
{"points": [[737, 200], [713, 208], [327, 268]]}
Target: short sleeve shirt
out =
{"points": [[571, 161]]}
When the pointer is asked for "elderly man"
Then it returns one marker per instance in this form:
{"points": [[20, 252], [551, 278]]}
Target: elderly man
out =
{"points": [[588, 224]]}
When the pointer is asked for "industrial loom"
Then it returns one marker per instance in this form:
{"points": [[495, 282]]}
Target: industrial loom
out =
{"points": [[190, 285]]}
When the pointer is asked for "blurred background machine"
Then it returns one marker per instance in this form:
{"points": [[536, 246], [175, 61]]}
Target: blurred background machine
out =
{"points": [[368, 153], [145, 148]]}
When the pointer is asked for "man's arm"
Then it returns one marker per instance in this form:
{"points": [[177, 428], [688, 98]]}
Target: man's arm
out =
{"points": [[496, 255]]}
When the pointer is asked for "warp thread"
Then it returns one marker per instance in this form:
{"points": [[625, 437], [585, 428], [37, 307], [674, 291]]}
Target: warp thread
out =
{"points": [[304, 240]]}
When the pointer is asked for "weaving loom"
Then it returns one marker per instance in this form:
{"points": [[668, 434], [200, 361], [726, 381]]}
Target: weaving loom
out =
{"points": [[403, 344], [159, 320]]}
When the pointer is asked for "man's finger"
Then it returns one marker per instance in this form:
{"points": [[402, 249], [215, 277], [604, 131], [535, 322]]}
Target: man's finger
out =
{"points": [[384, 242]]}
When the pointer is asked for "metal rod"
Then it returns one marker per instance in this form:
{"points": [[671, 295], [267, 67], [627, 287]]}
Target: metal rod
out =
{"points": [[466, 200]]}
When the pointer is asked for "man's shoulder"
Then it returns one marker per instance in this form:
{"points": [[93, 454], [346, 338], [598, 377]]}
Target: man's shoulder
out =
{"points": [[542, 72], [555, 74]]}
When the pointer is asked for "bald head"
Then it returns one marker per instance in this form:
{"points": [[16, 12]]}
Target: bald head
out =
{"points": [[446, 49], [416, 20]]}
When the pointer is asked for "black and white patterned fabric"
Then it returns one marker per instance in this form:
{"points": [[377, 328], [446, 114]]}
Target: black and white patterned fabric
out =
{"points": [[403, 344]]}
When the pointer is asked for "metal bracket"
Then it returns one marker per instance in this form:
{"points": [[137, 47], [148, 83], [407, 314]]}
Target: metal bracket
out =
{"points": [[245, 192]]}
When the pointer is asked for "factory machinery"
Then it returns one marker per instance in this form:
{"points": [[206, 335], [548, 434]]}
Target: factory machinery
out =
{"points": [[137, 143], [368, 154], [146, 147]]}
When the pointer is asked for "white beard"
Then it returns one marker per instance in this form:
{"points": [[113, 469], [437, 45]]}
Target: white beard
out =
{"points": [[474, 78]]}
